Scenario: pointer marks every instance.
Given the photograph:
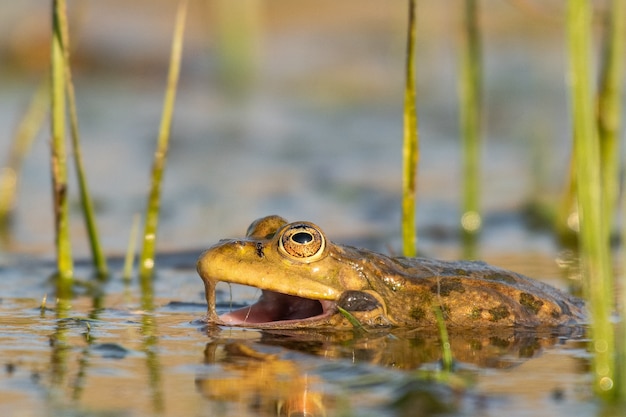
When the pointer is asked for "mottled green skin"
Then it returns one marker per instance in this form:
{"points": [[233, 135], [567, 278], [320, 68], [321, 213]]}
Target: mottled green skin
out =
{"points": [[470, 294]]}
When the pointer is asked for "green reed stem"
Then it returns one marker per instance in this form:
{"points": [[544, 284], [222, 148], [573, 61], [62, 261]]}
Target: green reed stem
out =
{"points": [[410, 148], [353, 320], [25, 134], [471, 115], [58, 155], [609, 128], [146, 267], [621, 302], [609, 106], [236, 27], [86, 202], [594, 240], [130, 251], [567, 207]]}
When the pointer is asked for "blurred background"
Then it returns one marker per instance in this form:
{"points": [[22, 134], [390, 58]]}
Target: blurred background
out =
{"points": [[293, 108]]}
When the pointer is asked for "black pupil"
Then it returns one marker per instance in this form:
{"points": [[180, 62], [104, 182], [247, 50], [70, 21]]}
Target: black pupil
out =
{"points": [[302, 237]]}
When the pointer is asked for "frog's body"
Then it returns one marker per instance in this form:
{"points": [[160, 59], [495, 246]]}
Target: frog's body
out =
{"points": [[305, 279]]}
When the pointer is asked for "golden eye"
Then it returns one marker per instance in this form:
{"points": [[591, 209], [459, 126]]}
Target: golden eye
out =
{"points": [[302, 241]]}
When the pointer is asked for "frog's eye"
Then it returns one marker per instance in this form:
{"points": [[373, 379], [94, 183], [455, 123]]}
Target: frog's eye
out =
{"points": [[302, 241]]}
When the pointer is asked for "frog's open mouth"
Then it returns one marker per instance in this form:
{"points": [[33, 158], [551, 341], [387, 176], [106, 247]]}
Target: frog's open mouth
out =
{"points": [[278, 309]]}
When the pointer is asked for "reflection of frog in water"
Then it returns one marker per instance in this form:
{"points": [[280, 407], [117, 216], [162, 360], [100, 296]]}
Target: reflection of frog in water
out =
{"points": [[304, 278], [265, 371], [260, 381], [250, 379]]}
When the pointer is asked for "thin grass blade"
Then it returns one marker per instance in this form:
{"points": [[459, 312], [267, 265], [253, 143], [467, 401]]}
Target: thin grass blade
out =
{"points": [[471, 116], [620, 346], [594, 241], [25, 134], [410, 147], [610, 106], [130, 250], [353, 320], [86, 202], [609, 129], [146, 264], [58, 156]]}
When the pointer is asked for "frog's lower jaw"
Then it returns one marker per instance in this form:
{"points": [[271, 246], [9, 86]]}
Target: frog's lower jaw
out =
{"points": [[274, 309]]}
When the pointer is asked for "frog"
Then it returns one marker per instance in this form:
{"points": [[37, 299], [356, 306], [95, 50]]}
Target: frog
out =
{"points": [[307, 281]]}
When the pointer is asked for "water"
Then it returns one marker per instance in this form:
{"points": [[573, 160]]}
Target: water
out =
{"points": [[108, 356], [310, 129]]}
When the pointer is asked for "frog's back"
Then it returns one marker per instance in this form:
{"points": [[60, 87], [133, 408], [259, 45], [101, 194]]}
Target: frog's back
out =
{"points": [[475, 294]]}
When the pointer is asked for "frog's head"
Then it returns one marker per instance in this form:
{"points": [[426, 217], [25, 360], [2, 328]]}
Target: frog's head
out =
{"points": [[305, 279]]}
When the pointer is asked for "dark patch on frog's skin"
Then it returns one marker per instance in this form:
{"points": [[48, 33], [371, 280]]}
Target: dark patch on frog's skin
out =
{"points": [[358, 301], [259, 250], [499, 313], [495, 314], [417, 314], [444, 288], [527, 300]]}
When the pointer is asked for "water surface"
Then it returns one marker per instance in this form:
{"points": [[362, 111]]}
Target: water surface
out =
{"points": [[309, 128], [107, 355]]}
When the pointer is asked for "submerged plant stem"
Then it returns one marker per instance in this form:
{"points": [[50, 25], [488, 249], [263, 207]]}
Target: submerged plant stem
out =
{"points": [[471, 114], [146, 265], [446, 352], [410, 149], [594, 240], [58, 157]]}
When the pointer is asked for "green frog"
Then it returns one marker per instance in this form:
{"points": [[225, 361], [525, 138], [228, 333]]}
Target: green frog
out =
{"points": [[307, 281]]}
